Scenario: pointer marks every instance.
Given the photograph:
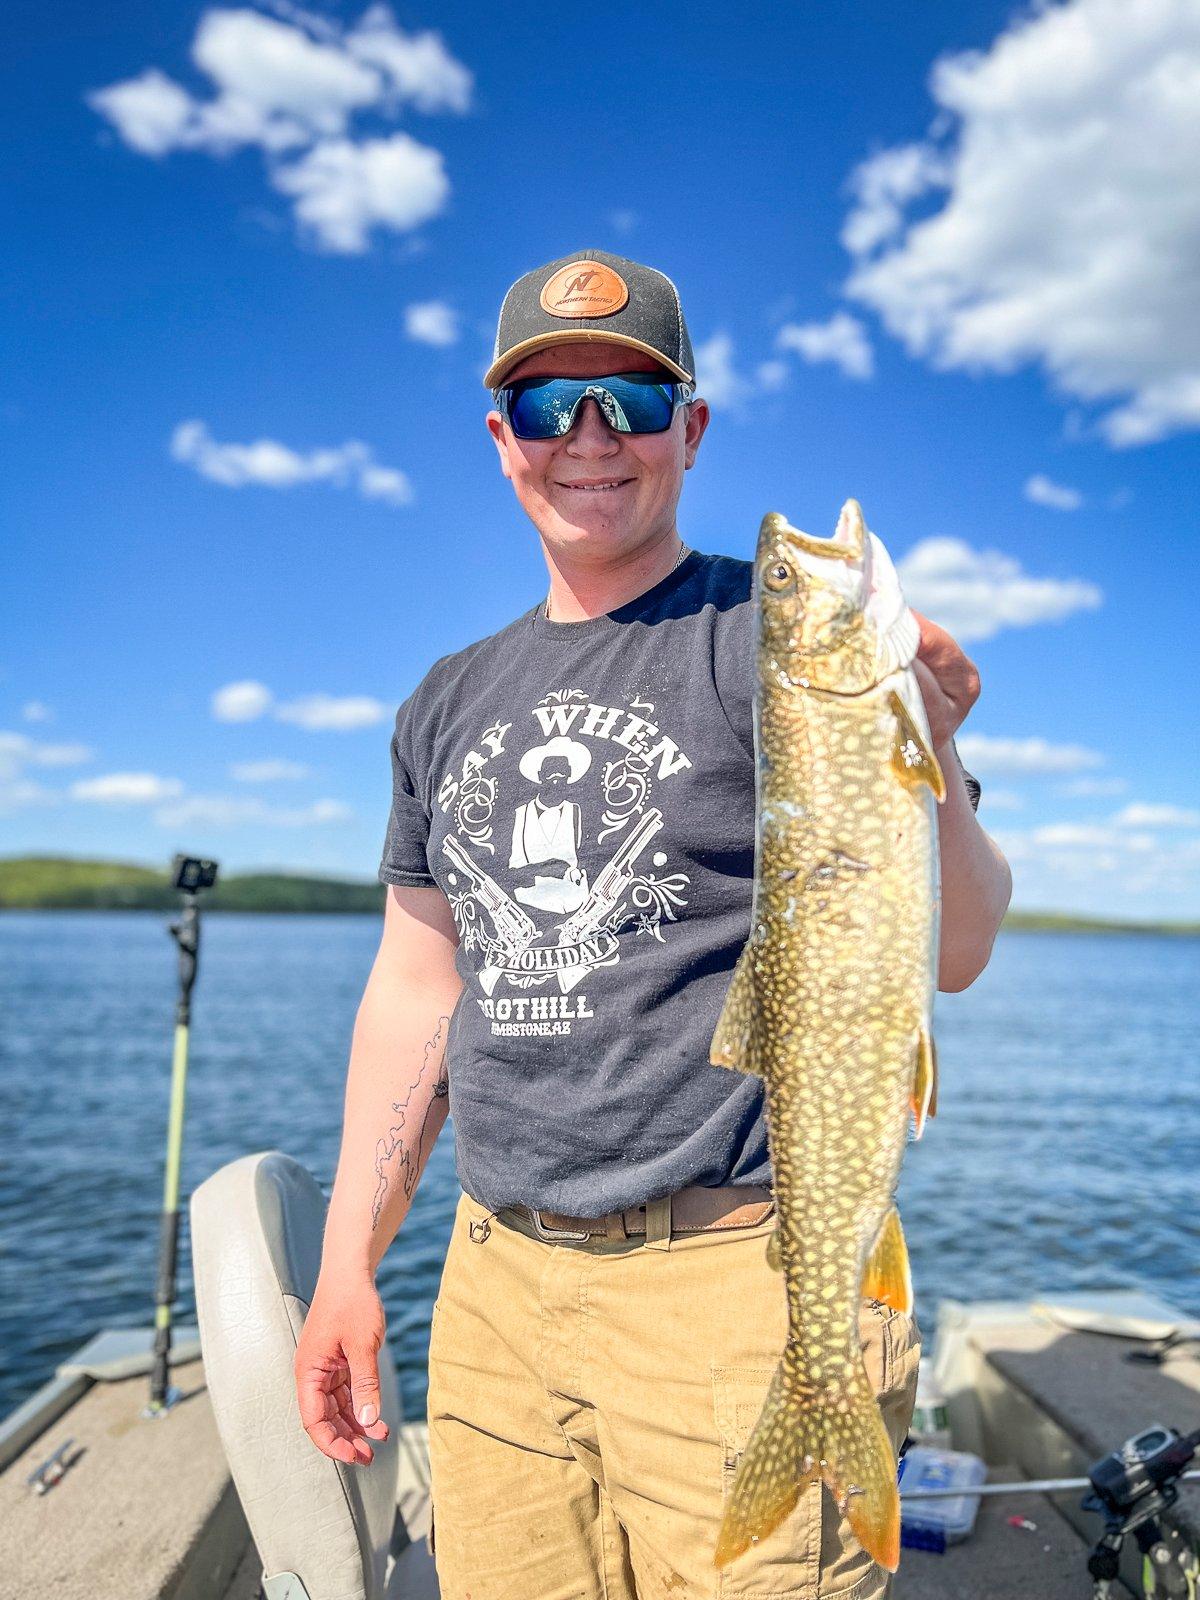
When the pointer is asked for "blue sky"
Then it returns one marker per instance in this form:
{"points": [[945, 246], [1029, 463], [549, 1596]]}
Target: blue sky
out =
{"points": [[939, 258]]}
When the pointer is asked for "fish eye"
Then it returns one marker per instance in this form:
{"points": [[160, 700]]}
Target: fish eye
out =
{"points": [[778, 575]]}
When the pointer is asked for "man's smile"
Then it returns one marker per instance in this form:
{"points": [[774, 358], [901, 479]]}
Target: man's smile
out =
{"points": [[594, 485]]}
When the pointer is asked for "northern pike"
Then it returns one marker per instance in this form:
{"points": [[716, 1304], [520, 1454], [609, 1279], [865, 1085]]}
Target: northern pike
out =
{"points": [[831, 1002]]}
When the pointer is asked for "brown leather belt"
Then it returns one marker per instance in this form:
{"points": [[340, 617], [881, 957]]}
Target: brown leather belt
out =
{"points": [[694, 1209]]}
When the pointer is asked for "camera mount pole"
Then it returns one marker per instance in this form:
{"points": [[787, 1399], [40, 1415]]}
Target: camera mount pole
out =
{"points": [[189, 876]]}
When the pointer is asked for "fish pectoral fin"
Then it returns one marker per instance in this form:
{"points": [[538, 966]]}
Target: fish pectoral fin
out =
{"points": [[734, 1042], [913, 761], [888, 1276], [924, 1090]]}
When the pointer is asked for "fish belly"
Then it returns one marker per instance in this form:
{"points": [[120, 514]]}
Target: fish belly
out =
{"points": [[843, 975]]}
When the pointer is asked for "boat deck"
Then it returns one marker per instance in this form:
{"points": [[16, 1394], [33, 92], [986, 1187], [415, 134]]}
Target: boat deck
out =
{"points": [[148, 1511]]}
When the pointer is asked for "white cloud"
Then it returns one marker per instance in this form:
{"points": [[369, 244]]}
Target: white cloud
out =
{"points": [[1091, 836], [249, 700], [320, 712], [1002, 799], [1068, 205], [771, 375], [18, 751], [16, 793], [241, 702], [221, 811], [417, 67], [883, 186], [976, 593], [1089, 787], [267, 69], [126, 788], [842, 340], [1140, 815], [431, 322], [342, 190], [36, 711], [295, 85], [622, 220], [150, 112], [1044, 491], [982, 752], [1102, 870], [717, 379], [272, 465], [270, 770]]}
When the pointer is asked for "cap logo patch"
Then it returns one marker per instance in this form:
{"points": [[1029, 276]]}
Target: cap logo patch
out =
{"points": [[584, 289]]}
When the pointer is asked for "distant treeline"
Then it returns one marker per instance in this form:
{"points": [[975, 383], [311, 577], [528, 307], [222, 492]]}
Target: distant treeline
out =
{"points": [[50, 883], [54, 883]]}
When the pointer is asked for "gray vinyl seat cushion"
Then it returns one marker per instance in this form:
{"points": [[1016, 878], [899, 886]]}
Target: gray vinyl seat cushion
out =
{"points": [[257, 1226]]}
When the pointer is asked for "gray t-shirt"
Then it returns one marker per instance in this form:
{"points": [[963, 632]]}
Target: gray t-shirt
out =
{"points": [[583, 794]]}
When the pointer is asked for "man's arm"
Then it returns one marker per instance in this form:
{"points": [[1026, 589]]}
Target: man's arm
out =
{"points": [[396, 1084], [395, 1107], [976, 880]]}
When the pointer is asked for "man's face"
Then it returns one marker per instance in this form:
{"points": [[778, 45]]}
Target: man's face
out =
{"points": [[646, 469], [553, 779]]}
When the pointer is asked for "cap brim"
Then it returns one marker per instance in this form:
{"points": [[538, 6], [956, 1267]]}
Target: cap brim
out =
{"points": [[495, 374]]}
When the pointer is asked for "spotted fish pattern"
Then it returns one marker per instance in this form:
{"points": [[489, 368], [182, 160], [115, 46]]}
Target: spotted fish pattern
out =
{"points": [[831, 1002]]}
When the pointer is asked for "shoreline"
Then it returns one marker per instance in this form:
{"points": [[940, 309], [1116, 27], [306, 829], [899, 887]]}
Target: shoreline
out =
{"points": [[61, 883]]}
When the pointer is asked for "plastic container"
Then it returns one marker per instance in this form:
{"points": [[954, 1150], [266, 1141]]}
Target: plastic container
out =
{"points": [[933, 1524]]}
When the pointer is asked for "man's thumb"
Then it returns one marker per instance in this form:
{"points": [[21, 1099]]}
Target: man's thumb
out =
{"points": [[364, 1386]]}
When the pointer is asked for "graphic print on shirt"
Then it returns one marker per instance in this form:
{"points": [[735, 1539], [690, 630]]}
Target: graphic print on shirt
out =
{"points": [[551, 854]]}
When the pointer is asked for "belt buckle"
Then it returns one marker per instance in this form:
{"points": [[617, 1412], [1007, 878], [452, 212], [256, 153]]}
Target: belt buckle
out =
{"points": [[544, 1232]]}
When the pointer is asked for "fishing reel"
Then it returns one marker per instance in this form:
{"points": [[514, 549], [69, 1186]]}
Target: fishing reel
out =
{"points": [[1129, 1488]]}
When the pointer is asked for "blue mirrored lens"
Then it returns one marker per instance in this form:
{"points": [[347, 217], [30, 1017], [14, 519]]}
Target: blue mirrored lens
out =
{"points": [[545, 408]]}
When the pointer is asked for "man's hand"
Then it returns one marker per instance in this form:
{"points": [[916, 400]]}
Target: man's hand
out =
{"points": [[337, 1369], [949, 681]]}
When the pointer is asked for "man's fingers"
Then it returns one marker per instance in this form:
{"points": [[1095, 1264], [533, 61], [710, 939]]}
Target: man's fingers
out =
{"points": [[330, 1424], [364, 1388]]}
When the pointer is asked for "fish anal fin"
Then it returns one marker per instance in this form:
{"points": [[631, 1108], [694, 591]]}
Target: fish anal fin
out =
{"points": [[888, 1276], [924, 1089], [913, 761], [734, 1041]]}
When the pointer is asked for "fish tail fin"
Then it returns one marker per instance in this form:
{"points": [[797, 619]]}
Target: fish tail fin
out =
{"points": [[836, 1433]]}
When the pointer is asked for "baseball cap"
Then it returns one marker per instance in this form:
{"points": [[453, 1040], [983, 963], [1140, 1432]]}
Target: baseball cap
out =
{"points": [[592, 294]]}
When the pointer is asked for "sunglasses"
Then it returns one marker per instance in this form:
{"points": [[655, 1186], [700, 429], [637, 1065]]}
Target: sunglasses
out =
{"points": [[631, 402]]}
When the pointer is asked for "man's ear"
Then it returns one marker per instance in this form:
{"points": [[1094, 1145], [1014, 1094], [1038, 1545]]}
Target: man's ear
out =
{"points": [[693, 430], [495, 426]]}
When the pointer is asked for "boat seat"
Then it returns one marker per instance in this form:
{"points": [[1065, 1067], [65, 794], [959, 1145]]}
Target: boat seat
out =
{"points": [[322, 1528]]}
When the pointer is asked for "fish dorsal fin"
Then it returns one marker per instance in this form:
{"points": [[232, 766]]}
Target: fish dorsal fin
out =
{"points": [[913, 761], [888, 1276], [735, 1040]]}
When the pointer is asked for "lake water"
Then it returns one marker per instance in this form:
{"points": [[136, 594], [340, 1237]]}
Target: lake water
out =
{"points": [[1064, 1154]]}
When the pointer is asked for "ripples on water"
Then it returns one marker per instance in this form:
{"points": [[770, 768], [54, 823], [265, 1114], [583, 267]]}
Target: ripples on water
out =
{"points": [[1064, 1154]]}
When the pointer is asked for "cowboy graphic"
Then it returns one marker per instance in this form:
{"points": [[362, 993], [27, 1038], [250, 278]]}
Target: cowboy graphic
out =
{"points": [[548, 827]]}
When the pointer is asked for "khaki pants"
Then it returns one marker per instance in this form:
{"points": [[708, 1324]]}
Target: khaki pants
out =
{"points": [[588, 1403]]}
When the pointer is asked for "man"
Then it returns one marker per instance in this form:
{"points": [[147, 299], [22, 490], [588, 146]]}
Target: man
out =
{"points": [[607, 1323]]}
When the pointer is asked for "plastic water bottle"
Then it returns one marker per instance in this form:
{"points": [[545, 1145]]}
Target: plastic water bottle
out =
{"points": [[931, 1416]]}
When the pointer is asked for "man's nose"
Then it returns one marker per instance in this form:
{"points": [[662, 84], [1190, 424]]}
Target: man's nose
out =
{"points": [[590, 428]]}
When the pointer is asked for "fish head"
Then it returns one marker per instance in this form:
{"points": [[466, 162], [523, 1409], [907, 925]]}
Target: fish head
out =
{"points": [[830, 612]]}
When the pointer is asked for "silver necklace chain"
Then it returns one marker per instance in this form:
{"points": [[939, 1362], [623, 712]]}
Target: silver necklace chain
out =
{"points": [[683, 551]]}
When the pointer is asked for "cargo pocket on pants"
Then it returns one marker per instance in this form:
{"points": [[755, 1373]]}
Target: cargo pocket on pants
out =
{"points": [[891, 1344], [783, 1565]]}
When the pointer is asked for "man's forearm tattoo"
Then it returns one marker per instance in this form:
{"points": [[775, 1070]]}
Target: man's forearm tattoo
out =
{"points": [[403, 1150]]}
